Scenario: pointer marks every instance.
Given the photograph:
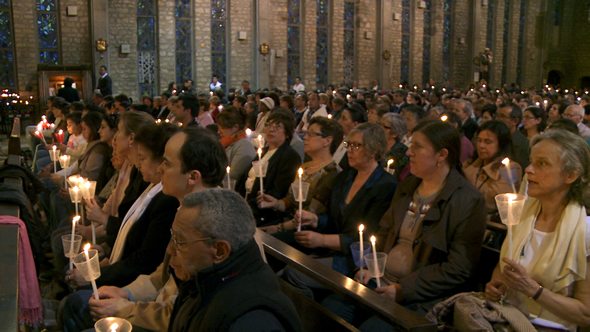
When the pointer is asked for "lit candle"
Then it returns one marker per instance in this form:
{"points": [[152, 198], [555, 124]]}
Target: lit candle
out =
{"points": [[361, 251], [260, 144], [90, 271], [300, 200], [54, 159], [74, 220], [511, 198], [228, 178], [114, 327], [260, 172], [389, 162], [375, 265], [329, 116], [444, 118], [249, 133], [75, 189], [506, 162]]}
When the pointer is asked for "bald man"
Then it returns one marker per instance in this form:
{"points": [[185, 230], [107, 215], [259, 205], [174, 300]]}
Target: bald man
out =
{"points": [[576, 114]]}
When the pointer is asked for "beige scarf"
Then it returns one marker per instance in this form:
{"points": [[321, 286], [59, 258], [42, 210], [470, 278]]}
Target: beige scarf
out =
{"points": [[564, 258]]}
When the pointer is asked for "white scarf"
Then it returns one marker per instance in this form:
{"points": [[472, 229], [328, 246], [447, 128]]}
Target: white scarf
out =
{"points": [[134, 213]]}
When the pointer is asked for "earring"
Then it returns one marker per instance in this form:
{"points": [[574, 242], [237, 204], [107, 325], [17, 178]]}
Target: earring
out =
{"points": [[438, 164]]}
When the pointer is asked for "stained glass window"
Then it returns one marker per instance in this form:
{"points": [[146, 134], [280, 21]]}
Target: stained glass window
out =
{"points": [[405, 59], [48, 25], [520, 42], [146, 46], [219, 19], [447, 40], [184, 45], [490, 26], [293, 41], [505, 40], [349, 42], [557, 10], [322, 45], [426, 43], [7, 78]]}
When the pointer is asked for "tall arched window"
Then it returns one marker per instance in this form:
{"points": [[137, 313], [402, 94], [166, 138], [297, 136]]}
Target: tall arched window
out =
{"points": [[146, 46], [405, 59], [490, 26], [348, 42], [505, 39], [48, 24], [322, 46], [426, 42], [219, 19], [447, 40], [184, 38], [293, 41], [7, 77]]}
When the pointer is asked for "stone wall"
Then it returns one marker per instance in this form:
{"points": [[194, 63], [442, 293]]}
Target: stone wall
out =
{"points": [[278, 43], [167, 42], [366, 32], [26, 43], [76, 45], [123, 30], [242, 50]]}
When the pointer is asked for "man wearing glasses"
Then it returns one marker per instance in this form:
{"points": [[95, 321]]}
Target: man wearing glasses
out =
{"points": [[576, 114], [511, 115]]}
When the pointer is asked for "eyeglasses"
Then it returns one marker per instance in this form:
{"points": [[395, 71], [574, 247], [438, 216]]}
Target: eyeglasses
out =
{"points": [[273, 126], [528, 117], [502, 116], [569, 115], [178, 243], [352, 145], [312, 134], [384, 126]]}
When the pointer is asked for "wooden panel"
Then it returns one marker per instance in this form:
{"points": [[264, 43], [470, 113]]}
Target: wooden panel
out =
{"points": [[9, 282], [386, 309]]}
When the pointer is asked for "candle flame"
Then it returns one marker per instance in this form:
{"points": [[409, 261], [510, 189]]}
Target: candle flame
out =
{"points": [[248, 132], [60, 131], [511, 197], [300, 171], [389, 162], [227, 169], [361, 228], [75, 189], [329, 116], [86, 247], [259, 152], [373, 239], [444, 118], [76, 219], [54, 147], [506, 161], [114, 327]]}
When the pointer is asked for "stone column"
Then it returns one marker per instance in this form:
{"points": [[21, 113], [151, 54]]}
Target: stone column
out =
{"points": [[263, 19], [497, 45], [366, 32], [202, 44], [122, 18], [278, 43], [167, 44], [396, 47], [513, 31], [336, 55], [99, 26], [531, 60], [460, 56], [308, 43], [436, 42], [416, 44], [26, 43], [384, 29], [241, 57], [76, 42]]}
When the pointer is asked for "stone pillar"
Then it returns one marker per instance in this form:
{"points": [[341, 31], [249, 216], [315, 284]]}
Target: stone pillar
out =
{"points": [[202, 44], [308, 43], [263, 19], [513, 31], [497, 45], [26, 43], [436, 42], [531, 60], [278, 43], [99, 26], [166, 45], [366, 32], [122, 18], [416, 44], [336, 55], [477, 38], [396, 47], [76, 44], [241, 57], [384, 29], [460, 56]]}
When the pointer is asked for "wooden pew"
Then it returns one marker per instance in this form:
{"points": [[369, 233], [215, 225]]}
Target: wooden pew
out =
{"points": [[397, 315]]}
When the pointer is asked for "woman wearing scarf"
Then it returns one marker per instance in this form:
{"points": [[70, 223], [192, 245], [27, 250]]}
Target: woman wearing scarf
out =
{"points": [[548, 275], [240, 153]]}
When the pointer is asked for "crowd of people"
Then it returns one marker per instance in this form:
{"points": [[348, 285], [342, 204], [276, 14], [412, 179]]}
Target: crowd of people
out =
{"points": [[187, 180]]}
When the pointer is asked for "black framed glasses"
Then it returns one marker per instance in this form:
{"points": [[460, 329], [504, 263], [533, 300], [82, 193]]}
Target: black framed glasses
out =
{"points": [[352, 145], [177, 243]]}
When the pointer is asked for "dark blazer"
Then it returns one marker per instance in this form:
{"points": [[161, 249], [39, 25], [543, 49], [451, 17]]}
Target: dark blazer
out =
{"points": [[367, 207], [522, 149], [282, 169], [105, 85], [69, 94], [446, 252], [469, 128], [145, 245]]}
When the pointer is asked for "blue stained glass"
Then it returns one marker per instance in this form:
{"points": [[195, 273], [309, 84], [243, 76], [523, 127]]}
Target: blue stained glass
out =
{"points": [[405, 3], [405, 20], [4, 4], [293, 39], [218, 66], [427, 23], [426, 43], [183, 66], [426, 59], [322, 12], [490, 26], [47, 30], [446, 40], [447, 6], [183, 35], [292, 68], [5, 34], [557, 10], [322, 41], [146, 37], [218, 9], [47, 5], [405, 75], [405, 46], [146, 90], [349, 43], [348, 15], [321, 72], [427, 2], [6, 68], [294, 11], [146, 8], [182, 8], [218, 36], [49, 57]]}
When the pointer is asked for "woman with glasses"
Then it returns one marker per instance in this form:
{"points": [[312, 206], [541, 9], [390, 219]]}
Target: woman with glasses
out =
{"points": [[395, 128], [534, 121], [321, 140], [432, 232], [283, 162], [361, 195]]}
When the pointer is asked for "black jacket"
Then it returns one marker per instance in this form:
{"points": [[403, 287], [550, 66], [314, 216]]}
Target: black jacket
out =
{"points": [[69, 94], [241, 293], [105, 85], [469, 128]]}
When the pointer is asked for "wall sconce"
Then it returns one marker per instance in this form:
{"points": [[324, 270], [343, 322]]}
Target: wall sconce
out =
{"points": [[101, 45], [386, 55], [264, 49]]}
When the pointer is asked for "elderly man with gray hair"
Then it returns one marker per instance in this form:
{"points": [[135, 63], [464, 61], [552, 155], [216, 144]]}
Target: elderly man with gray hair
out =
{"points": [[464, 109], [226, 286], [576, 114]]}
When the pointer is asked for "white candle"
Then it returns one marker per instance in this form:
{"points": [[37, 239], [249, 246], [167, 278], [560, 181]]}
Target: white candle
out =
{"points": [[55, 159], [506, 162], [389, 162], [300, 200], [75, 189], [228, 178], [90, 271], [260, 172], [444, 118], [375, 265], [249, 133], [361, 251], [260, 145], [114, 327], [74, 220], [510, 222]]}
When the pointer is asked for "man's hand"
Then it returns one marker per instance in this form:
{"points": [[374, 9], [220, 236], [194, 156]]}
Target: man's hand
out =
{"points": [[110, 297]]}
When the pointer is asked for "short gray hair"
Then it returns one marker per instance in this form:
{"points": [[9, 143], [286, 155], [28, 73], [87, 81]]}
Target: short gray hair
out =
{"points": [[223, 215], [575, 155], [468, 106], [398, 125], [374, 139]]}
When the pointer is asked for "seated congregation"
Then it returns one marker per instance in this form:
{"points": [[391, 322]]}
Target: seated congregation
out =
{"points": [[187, 187]]}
